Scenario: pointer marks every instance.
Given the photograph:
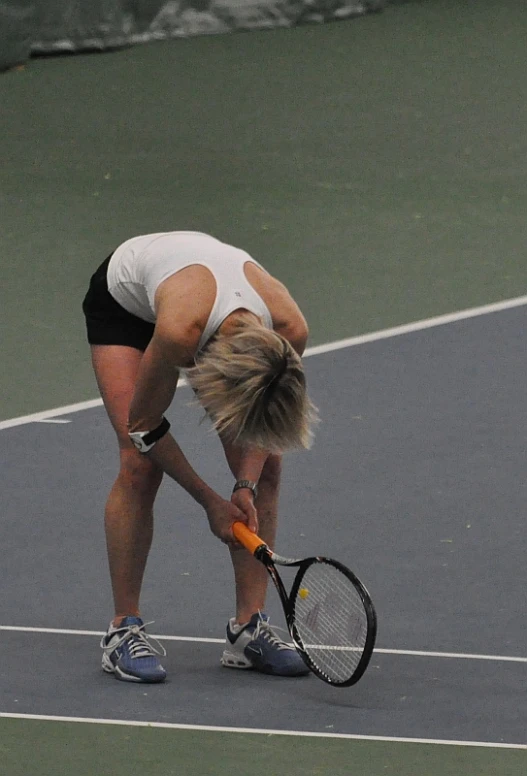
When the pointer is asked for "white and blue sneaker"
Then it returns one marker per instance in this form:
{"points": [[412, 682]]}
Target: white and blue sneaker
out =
{"points": [[129, 654], [256, 645]]}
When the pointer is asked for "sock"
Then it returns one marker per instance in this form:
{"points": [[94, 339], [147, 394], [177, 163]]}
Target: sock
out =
{"points": [[235, 626], [120, 617]]}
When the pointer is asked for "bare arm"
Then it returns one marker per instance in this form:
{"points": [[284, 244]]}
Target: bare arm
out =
{"points": [[155, 387], [249, 465], [293, 327]]}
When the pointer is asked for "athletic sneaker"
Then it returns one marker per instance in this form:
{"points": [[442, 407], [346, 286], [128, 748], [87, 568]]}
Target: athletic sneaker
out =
{"points": [[256, 645], [129, 654]]}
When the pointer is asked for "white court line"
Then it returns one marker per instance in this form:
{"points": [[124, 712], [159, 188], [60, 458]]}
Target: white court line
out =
{"points": [[259, 731], [427, 323], [407, 328], [36, 417], [58, 421], [203, 640]]}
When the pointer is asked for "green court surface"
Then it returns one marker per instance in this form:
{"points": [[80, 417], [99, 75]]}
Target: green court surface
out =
{"points": [[377, 166], [85, 750]]}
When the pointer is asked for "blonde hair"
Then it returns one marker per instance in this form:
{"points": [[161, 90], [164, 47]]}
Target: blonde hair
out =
{"points": [[252, 385]]}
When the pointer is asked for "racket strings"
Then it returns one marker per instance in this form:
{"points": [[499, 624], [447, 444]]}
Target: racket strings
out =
{"points": [[331, 621]]}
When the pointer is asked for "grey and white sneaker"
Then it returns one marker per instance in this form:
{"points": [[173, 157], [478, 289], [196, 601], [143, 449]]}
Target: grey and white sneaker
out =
{"points": [[257, 646]]}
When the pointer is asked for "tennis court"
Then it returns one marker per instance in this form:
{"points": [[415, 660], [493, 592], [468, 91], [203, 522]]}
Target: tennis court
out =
{"points": [[417, 477]]}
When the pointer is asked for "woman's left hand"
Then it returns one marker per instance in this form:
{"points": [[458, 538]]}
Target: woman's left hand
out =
{"points": [[244, 500]]}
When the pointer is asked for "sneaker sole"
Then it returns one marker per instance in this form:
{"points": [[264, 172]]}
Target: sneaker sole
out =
{"points": [[235, 660]]}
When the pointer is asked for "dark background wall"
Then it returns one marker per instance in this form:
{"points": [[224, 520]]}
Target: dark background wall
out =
{"points": [[52, 26]]}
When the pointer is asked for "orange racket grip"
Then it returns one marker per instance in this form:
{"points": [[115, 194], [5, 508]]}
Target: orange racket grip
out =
{"points": [[249, 539]]}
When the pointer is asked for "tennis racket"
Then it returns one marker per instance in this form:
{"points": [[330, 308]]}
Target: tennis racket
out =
{"points": [[329, 612]]}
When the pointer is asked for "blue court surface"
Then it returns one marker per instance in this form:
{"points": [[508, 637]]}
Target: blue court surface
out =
{"points": [[416, 481]]}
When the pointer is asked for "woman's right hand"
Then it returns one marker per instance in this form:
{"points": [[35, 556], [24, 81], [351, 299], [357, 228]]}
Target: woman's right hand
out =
{"points": [[222, 514]]}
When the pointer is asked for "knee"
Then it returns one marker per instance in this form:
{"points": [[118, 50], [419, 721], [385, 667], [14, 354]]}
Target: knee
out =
{"points": [[139, 473], [271, 471]]}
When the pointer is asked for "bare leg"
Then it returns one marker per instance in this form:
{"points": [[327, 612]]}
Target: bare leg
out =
{"points": [[128, 522], [129, 509], [250, 576]]}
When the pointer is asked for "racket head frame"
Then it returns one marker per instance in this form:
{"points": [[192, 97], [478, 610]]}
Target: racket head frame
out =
{"points": [[369, 611], [266, 556]]}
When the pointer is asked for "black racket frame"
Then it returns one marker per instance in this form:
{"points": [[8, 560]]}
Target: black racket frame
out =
{"points": [[269, 559]]}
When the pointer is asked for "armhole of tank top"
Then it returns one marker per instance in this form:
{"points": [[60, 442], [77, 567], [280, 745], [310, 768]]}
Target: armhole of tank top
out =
{"points": [[269, 321]]}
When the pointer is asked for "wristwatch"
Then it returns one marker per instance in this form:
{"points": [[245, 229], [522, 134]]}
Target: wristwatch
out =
{"points": [[246, 484]]}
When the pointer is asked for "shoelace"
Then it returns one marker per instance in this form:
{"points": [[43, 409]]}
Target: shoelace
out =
{"points": [[141, 645], [264, 629]]}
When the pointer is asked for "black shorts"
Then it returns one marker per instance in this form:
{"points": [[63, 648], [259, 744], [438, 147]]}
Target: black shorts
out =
{"points": [[108, 323]]}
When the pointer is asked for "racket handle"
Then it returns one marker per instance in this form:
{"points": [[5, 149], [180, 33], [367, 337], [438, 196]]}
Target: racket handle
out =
{"points": [[250, 540]]}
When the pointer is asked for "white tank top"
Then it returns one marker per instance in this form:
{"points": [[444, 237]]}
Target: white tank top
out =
{"points": [[140, 265]]}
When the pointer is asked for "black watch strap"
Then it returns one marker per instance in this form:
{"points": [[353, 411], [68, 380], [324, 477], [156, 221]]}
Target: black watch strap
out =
{"points": [[246, 484]]}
